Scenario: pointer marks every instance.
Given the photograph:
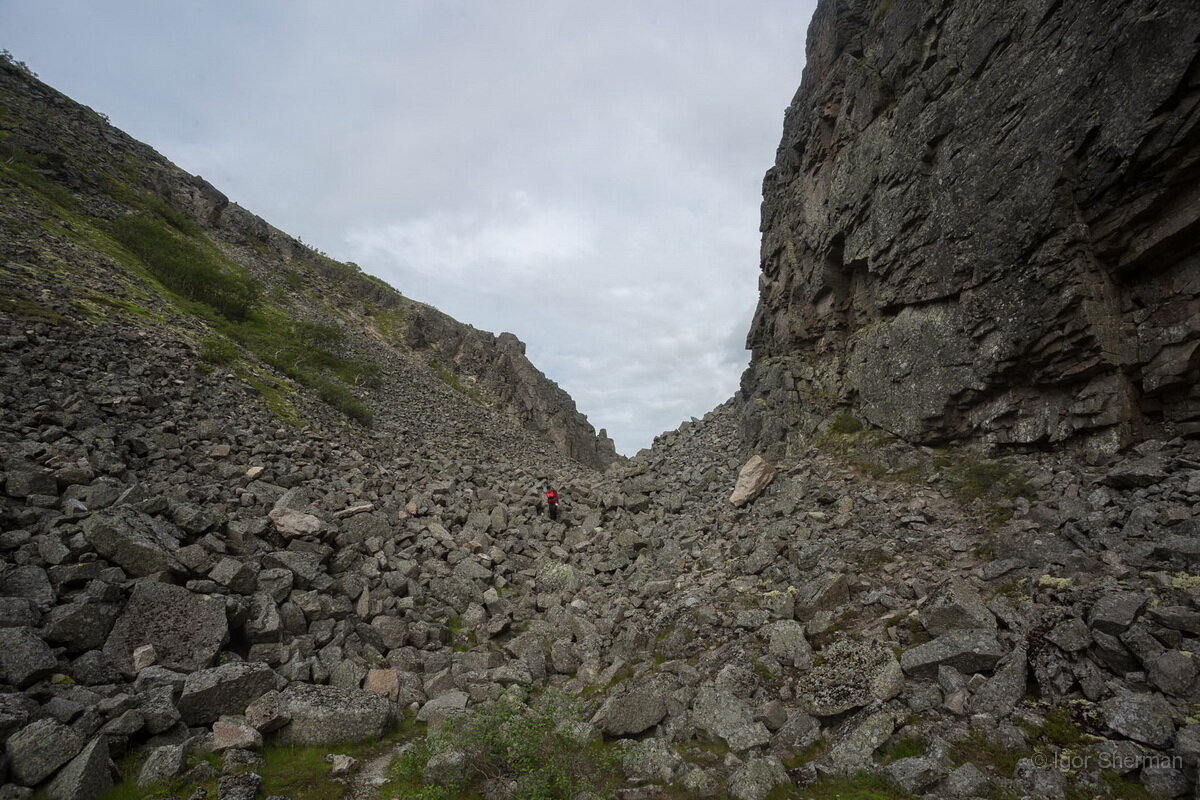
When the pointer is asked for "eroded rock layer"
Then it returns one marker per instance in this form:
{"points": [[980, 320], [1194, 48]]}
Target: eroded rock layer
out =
{"points": [[983, 223]]}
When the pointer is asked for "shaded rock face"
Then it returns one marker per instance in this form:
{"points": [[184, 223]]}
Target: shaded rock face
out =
{"points": [[982, 224]]}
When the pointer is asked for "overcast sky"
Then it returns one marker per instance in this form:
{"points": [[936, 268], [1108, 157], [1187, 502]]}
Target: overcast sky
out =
{"points": [[586, 175]]}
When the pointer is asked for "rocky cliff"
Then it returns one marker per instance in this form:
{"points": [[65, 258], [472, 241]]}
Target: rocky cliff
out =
{"points": [[983, 223], [149, 241]]}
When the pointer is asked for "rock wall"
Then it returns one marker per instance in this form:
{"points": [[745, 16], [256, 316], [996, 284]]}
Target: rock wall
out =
{"points": [[983, 224]]}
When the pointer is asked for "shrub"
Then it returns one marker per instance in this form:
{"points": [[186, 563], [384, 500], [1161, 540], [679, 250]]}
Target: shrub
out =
{"points": [[186, 267], [215, 350], [514, 742]]}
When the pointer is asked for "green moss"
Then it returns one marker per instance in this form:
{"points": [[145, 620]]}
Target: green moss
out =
{"points": [[1057, 728], [845, 424]]}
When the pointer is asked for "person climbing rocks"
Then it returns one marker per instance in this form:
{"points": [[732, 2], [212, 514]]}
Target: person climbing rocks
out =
{"points": [[552, 502]]}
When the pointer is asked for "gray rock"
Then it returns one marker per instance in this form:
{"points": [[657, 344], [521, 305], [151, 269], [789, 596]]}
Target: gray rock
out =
{"points": [[40, 748], [80, 627], [87, 776], [1145, 718], [853, 748], [968, 651], [1174, 672], [224, 690], [914, 775], [268, 713], [1071, 635], [186, 629], [966, 781], [1000, 695], [1114, 613], [650, 761], [163, 764], [437, 708], [24, 658], [634, 711], [797, 735], [852, 675], [329, 714], [787, 642], [446, 768], [240, 786], [723, 715], [756, 475], [755, 779], [137, 542], [955, 606]]}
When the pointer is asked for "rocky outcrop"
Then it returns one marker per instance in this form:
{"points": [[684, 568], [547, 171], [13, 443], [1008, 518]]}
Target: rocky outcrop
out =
{"points": [[983, 223], [498, 366]]}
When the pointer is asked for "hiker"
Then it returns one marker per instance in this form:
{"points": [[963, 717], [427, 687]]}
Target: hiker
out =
{"points": [[552, 502]]}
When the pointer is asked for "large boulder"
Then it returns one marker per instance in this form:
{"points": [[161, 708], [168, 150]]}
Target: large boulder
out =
{"points": [[853, 674], [1145, 718], [224, 690], [24, 658], [80, 627], [756, 475], [329, 714], [968, 651], [185, 628], [722, 715], [88, 775], [634, 711], [41, 747], [137, 542], [955, 606]]}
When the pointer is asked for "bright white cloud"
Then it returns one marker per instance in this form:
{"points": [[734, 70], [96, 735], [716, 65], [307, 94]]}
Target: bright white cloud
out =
{"points": [[586, 175]]}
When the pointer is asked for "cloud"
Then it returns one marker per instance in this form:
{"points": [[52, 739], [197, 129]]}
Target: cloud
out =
{"points": [[585, 175]]}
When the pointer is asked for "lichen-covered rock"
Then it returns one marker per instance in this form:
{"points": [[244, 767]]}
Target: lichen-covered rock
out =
{"points": [[223, 690], [722, 715], [852, 675], [637, 710], [142, 544], [1145, 718], [38, 749], [968, 651], [86, 776], [24, 657]]}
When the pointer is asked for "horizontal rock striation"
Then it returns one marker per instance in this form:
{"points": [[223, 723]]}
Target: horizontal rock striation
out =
{"points": [[983, 224]]}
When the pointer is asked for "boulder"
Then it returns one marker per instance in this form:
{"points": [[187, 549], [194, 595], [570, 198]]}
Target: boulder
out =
{"points": [[163, 764], [137, 542], [853, 749], [24, 658], [330, 714], [968, 651], [953, 607], [634, 711], [40, 748], [438, 708], [291, 523], [1114, 613], [721, 714], [755, 779], [1145, 718], [755, 476], [224, 690], [80, 627], [235, 733], [185, 628], [852, 675], [87, 776], [1000, 695], [786, 641], [650, 761], [268, 713]]}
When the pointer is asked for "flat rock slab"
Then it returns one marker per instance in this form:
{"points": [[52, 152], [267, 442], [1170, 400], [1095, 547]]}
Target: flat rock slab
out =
{"points": [[968, 651], [330, 714], [140, 544], [186, 629]]}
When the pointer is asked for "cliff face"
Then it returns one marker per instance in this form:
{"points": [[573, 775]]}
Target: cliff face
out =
{"points": [[983, 223], [132, 221]]}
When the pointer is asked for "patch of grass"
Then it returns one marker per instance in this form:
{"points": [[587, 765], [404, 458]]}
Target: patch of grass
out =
{"points": [[1121, 788], [845, 424], [184, 265], [907, 747], [1057, 728], [508, 741], [862, 786], [120, 304], [811, 753], [276, 396], [218, 350], [30, 310], [980, 752]]}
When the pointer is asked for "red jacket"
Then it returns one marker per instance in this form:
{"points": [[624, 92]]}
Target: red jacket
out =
{"points": [[552, 497]]}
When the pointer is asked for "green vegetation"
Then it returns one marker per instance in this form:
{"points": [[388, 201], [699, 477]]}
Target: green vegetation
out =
{"points": [[508, 741], [219, 351], [811, 753], [186, 267], [845, 424], [982, 753], [30, 310], [863, 786], [907, 747], [1057, 728]]}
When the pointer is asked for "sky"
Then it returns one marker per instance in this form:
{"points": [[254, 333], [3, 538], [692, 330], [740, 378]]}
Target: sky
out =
{"points": [[586, 175]]}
